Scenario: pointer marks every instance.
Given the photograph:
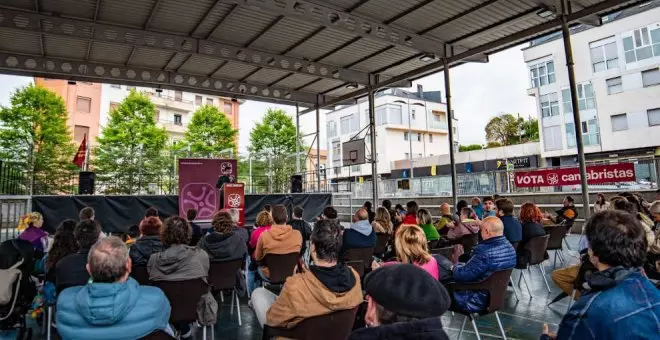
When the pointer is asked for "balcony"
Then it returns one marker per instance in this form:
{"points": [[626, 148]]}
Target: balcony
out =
{"points": [[171, 126], [162, 100]]}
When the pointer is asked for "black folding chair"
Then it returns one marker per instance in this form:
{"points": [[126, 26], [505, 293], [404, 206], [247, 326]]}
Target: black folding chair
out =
{"points": [[222, 276]]}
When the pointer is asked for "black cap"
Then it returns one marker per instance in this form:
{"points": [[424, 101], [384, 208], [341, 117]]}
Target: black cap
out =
{"points": [[407, 290]]}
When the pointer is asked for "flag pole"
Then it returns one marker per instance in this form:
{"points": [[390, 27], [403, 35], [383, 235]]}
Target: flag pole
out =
{"points": [[86, 165]]}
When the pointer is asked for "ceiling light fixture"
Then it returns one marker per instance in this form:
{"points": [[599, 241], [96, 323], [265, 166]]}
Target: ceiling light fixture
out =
{"points": [[546, 14], [427, 57], [352, 86]]}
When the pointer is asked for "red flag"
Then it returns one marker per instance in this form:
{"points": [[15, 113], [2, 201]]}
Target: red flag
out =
{"points": [[79, 159]]}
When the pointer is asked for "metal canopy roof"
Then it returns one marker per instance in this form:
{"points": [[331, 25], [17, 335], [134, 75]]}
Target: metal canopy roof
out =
{"points": [[292, 51]]}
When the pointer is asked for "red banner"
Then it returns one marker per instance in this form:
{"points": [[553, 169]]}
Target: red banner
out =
{"points": [[234, 198], [596, 174], [79, 158], [197, 180]]}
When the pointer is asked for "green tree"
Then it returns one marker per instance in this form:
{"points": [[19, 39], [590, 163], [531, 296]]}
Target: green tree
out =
{"points": [[504, 129], [530, 129], [132, 138], [209, 133], [471, 147], [275, 138], [34, 134]]}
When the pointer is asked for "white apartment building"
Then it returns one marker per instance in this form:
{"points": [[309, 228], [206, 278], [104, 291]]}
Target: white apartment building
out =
{"points": [[174, 109], [618, 86], [428, 131]]}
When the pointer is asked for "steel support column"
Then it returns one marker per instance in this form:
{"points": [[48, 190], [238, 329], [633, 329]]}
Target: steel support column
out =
{"points": [[568, 50], [318, 149], [450, 123], [374, 152], [297, 139]]}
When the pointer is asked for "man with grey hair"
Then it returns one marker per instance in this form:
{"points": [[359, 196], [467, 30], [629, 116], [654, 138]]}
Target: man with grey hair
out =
{"points": [[240, 231], [112, 305]]}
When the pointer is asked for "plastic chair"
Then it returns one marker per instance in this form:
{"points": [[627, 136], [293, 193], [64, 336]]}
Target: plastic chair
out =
{"points": [[382, 240], [280, 266], [359, 254], [141, 275], [333, 326], [557, 234], [468, 242], [222, 276], [183, 297], [496, 285], [586, 269], [536, 248]]}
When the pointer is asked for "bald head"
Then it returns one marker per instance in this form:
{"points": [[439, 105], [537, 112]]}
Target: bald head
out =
{"points": [[491, 227], [108, 261], [362, 214]]}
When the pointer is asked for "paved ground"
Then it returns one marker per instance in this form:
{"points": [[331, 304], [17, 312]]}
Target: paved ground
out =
{"points": [[521, 319]]}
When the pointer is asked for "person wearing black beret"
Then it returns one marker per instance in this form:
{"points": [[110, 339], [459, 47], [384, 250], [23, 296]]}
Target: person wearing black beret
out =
{"points": [[403, 302]]}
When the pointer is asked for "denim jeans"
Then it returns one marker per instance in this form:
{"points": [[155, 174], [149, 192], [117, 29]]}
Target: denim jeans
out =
{"points": [[251, 278]]}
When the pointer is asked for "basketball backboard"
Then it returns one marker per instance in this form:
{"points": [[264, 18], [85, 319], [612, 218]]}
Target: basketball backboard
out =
{"points": [[353, 152]]}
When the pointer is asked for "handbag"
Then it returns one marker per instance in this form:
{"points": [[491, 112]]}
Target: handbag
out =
{"points": [[9, 278], [207, 310]]}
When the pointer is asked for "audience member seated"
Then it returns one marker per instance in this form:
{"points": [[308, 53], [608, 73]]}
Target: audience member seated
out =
{"points": [[628, 205], [530, 217], [621, 303], [223, 244], [403, 302], [410, 245], [30, 230], [70, 271], [64, 243], [601, 203], [425, 221], [280, 239], [327, 286], [263, 223], [149, 243], [382, 224], [457, 211], [242, 232], [411, 213], [566, 215], [467, 225], [86, 213], [329, 213], [131, 235], [512, 227], [477, 207], [493, 254], [654, 249], [297, 223], [360, 234], [387, 204], [398, 216], [369, 207], [191, 214], [112, 305], [489, 208], [178, 261], [151, 212], [267, 208], [446, 219]]}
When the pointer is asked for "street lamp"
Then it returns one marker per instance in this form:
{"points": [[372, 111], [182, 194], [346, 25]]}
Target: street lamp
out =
{"points": [[410, 130]]}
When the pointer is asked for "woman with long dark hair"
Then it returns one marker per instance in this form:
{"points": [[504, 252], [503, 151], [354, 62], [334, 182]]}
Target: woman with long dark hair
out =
{"points": [[63, 244], [601, 203]]}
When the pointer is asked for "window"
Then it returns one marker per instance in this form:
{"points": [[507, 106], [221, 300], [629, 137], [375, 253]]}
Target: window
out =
{"points": [[614, 85], [651, 77], [113, 106], [619, 122], [356, 168], [209, 101], [381, 114], [79, 132], [586, 100], [549, 105], [439, 120], [336, 151], [348, 124], [590, 133], [552, 138], [543, 73], [419, 137], [406, 155], [177, 119], [412, 113], [395, 114], [430, 138], [229, 108], [643, 43], [198, 100], [604, 56], [332, 128], [115, 86], [84, 104], [405, 135], [654, 116], [178, 96]]}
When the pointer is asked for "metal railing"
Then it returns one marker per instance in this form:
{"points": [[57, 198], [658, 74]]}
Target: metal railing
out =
{"points": [[11, 210]]}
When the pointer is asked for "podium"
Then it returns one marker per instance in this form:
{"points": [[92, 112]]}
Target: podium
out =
{"points": [[233, 197]]}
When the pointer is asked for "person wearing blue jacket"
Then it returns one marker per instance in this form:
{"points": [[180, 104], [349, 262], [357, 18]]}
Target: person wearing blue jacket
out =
{"points": [[361, 234], [512, 227], [112, 305], [491, 255], [621, 303]]}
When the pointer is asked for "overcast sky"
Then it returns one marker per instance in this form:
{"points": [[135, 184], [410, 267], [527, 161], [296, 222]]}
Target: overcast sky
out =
{"points": [[479, 92]]}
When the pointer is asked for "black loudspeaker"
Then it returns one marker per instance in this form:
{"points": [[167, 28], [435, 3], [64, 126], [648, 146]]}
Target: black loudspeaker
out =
{"points": [[296, 183], [86, 183]]}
